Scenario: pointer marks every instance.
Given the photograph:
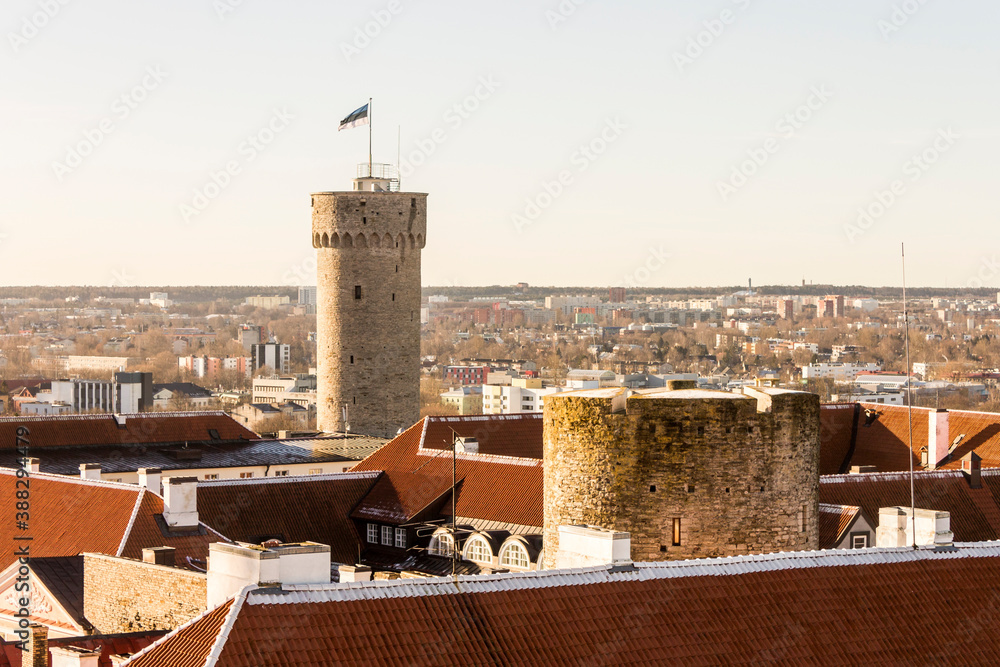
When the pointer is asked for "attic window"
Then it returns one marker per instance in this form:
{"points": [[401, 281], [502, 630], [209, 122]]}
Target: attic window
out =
{"points": [[214, 434]]}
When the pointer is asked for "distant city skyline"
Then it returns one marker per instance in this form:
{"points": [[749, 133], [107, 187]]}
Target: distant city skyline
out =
{"points": [[563, 142]]}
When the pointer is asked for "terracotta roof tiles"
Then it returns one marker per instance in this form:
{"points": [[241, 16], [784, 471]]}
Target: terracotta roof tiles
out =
{"points": [[291, 509], [847, 607]]}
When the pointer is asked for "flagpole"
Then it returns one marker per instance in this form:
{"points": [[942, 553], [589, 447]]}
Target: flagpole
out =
{"points": [[370, 172]]}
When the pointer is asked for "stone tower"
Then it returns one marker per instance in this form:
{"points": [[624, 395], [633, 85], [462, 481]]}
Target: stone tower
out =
{"points": [[688, 473], [368, 242]]}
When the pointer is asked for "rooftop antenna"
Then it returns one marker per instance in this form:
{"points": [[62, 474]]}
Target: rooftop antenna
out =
{"points": [[399, 156], [370, 161], [909, 401]]}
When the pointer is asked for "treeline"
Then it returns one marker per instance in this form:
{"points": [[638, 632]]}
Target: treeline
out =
{"points": [[176, 293], [854, 291]]}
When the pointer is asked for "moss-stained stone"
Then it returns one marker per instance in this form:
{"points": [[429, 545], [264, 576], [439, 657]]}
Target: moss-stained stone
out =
{"points": [[739, 471]]}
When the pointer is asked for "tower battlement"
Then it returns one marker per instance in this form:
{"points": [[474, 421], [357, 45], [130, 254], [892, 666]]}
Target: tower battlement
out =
{"points": [[396, 220]]}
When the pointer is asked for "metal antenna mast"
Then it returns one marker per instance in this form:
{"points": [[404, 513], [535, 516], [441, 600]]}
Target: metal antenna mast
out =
{"points": [[909, 402]]}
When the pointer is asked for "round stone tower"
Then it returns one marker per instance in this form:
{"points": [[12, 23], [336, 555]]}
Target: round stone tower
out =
{"points": [[689, 473], [368, 242]]}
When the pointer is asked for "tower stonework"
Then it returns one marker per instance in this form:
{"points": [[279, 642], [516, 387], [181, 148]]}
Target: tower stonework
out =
{"points": [[368, 307], [688, 473]]}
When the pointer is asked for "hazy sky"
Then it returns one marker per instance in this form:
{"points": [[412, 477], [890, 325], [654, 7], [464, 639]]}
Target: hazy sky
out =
{"points": [[660, 143]]}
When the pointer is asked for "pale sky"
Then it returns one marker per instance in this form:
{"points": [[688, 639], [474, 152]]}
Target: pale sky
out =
{"points": [[730, 139]]}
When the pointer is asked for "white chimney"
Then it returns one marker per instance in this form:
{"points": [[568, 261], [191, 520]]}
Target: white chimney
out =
{"points": [[938, 439], [586, 546], [71, 656], [180, 502], [231, 567], [33, 466], [90, 471], [149, 479], [352, 573], [467, 446], [896, 528]]}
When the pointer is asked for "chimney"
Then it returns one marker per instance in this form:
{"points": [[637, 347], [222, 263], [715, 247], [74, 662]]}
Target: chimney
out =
{"points": [[180, 502], [354, 573], [38, 647], [468, 446], [119, 659], [159, 556], [149, 479], [231, 567], [676, 385], [895, 528], [71, 656], [33, 466], [586, 546], [938, 441], [857, 470], [972, 467], [90, 471]]}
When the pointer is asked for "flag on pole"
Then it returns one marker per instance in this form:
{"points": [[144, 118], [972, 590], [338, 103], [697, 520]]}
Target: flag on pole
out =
{"points": [[355, 119]]}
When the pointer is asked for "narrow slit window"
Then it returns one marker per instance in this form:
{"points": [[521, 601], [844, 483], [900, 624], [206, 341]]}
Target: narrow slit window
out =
{"points": [[357, 292], [677, 533]]}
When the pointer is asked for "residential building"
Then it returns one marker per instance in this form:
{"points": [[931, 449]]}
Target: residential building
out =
{"points": [[256, 415], [300, 389], [307, 296], [838, 372], [181, 396], [267, 302], [250, 336], [275, 356], [467, 400], [522, 395], [466, 375]]}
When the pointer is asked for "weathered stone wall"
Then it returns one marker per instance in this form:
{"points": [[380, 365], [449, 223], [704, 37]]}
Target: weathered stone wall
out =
{"points": [[124, 595], [739, 479], [368, 349]]}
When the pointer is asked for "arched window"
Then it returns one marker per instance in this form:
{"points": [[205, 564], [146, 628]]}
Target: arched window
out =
{"points": [[478, 551], [441, 545], [515, 555]]}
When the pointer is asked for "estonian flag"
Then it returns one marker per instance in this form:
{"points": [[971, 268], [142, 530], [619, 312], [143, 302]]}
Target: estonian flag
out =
{"points": [[355, 119]]}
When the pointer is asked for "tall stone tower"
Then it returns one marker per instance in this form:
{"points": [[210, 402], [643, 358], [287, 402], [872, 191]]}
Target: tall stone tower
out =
{"points": [[368, 242], [689, 473]]}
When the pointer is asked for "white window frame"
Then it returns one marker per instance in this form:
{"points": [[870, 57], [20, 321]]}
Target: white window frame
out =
{"points": [[506, 561], [442, 544], [400, 538], [478, 550], [387, 536], [373, 533], [863, 538]]}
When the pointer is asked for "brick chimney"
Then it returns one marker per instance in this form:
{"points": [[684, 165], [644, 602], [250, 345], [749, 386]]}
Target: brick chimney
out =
{"points": [[71, 656], [938, 437], [354, 573], [149, 479], [90, 471], [972, 467], [33, 466], [159, 556], [38, 647], [896, 528], [180, 502]]}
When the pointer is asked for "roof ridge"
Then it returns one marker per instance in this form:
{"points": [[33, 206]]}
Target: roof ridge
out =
{"points": [[361, 474], [725, 566], [131, 521], [891, 476], [111, 415], [227, 626], [74, 480], [489, 458], [836, 506]]}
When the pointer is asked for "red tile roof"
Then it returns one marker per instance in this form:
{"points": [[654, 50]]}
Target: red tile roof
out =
{"points": [[69, 516], [845, 607], [883, 444], [836, 425], [124, 644], [946, 491], [982, 435], [834, 520], [291, 509], [140, 429], [493, 487], [190, 644]]}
